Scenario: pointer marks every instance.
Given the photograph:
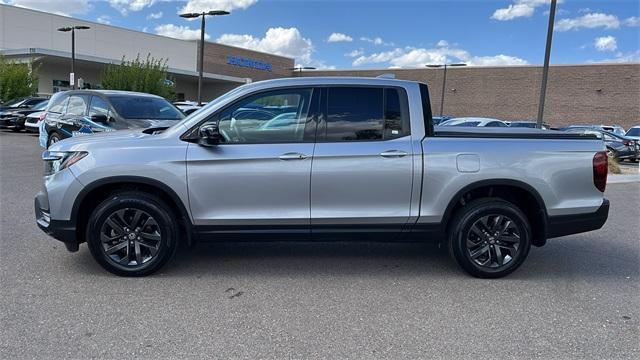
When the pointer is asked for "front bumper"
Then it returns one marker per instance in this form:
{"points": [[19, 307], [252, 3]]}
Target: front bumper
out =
{"points": [[8, 122], [62, 230], [574, 224]]}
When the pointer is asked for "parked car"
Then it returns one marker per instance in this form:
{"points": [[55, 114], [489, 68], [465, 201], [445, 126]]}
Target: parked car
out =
{"points": [[527, 124], [380, 171], [22, 103], [618, 147], [616, 129], [438, 119], [634, 133], [15, 119], [474, 122], [84, 112]]}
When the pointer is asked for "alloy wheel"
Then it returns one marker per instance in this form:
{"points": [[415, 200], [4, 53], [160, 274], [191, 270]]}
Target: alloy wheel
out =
{"points": [[493, 241], [130, 237]]}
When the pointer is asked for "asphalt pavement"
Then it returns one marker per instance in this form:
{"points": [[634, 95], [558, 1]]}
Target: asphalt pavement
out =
{"points": [[576, 298]]}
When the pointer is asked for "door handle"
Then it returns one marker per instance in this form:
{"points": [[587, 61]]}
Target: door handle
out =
{"points": [[293, 156], [393, 154]]}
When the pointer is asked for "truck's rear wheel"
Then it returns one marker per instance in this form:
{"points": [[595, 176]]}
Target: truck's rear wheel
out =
{"points": [[489, 238], [132, 233]]}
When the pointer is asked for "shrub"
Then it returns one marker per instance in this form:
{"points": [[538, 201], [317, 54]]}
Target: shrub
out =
{"points": [[148, 76], [17, 80]]}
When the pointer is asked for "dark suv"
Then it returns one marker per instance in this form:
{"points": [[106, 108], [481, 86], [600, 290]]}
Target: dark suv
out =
{"points": [[84, 112]]}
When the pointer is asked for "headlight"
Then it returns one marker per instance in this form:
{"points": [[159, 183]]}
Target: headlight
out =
{"points": [[55, 161]]}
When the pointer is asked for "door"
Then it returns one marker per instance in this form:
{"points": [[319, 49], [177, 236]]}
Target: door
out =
{"points": [[258, 178], [361, 179]]}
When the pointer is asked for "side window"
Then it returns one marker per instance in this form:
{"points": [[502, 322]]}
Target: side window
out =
{"points": [[496, 124], [355, 114], [57, 104], [270, 117], [365, 114], [608, 137], [99, 107], [77, 105]]}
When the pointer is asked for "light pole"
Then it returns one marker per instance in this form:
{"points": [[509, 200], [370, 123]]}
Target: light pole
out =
{"points": [[300, 68], [545, 68], [72, 75], [201, 59], [444, 80]]}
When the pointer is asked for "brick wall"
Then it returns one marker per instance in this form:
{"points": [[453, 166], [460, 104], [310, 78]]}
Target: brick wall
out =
{"points": [[597, 93]]}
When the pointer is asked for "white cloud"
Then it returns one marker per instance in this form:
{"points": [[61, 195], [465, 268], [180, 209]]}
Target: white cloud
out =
{"points": [[104, 19], [376, 41], [519, 8], [179, 32], [632, 21], [285, 42], [60, 7], [622, 58], [155, 16], [589, 21], [606, 43], [443, 43], [497, 60], [355, 53], [206, 5], [419, 57], [339, 37], [124, 6]]}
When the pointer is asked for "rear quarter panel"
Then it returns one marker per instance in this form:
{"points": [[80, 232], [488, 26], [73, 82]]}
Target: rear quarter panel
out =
{"points": [[561, 171]]}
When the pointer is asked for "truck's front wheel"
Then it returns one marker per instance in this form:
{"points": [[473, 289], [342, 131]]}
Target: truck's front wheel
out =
{"points": [[132, 233], [489, 238]]}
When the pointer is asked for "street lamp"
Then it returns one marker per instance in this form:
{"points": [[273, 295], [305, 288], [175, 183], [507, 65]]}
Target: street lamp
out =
{"points": [[444, 80], [72, 75], [201, 59], [545, 67], [300, 68]]}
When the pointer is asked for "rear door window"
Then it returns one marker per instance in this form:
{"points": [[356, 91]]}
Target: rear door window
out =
{"points": [[99, 107], [364, 114]]}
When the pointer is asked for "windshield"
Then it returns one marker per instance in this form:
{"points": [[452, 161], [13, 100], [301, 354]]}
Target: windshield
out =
{"points": [[634, 132], [41, 105], [14, 102], [145, 107]]}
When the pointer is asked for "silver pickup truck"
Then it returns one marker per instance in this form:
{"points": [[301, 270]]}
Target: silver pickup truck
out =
{"points": [[321, 159]]}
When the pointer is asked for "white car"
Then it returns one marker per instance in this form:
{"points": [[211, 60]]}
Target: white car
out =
{"points": [[634, 133], [474, 121], [32, 122]]}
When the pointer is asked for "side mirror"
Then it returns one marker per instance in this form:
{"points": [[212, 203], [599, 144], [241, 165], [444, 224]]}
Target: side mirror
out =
{"points": [[208, 135], [99, 118]]}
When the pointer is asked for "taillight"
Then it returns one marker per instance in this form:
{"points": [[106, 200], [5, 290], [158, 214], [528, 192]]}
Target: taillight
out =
{"points": [[627, 142], [600, 169]]}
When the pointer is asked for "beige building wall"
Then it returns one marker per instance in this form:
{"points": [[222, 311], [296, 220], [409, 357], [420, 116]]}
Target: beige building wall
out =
{"points": [[595, 93], [215, 61]]}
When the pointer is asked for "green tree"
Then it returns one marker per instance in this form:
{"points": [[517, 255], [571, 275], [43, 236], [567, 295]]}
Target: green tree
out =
{"points": [[148, 76], [17, 79]]}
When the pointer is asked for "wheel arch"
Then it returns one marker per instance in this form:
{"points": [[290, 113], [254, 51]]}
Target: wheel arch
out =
{"points": [[95, 192], [521, 194]]}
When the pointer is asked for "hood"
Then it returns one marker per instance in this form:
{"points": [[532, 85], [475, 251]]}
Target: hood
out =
{"points": [[102, 137], [147, 123]]}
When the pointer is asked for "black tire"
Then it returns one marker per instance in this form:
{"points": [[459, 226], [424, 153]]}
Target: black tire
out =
{"points": [[16, 129], [478, 248], [144, 252], [54, 137]]}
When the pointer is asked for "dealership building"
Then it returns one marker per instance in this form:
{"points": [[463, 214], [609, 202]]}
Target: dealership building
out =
{"points": [[590, 93]]}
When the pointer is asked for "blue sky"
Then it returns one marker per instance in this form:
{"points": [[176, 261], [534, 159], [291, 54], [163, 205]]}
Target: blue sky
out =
{"points": [[382, 34]]}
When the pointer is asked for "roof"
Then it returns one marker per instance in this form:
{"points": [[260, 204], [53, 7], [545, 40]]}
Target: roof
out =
{"points": [[110, 92], [335, 80]]}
